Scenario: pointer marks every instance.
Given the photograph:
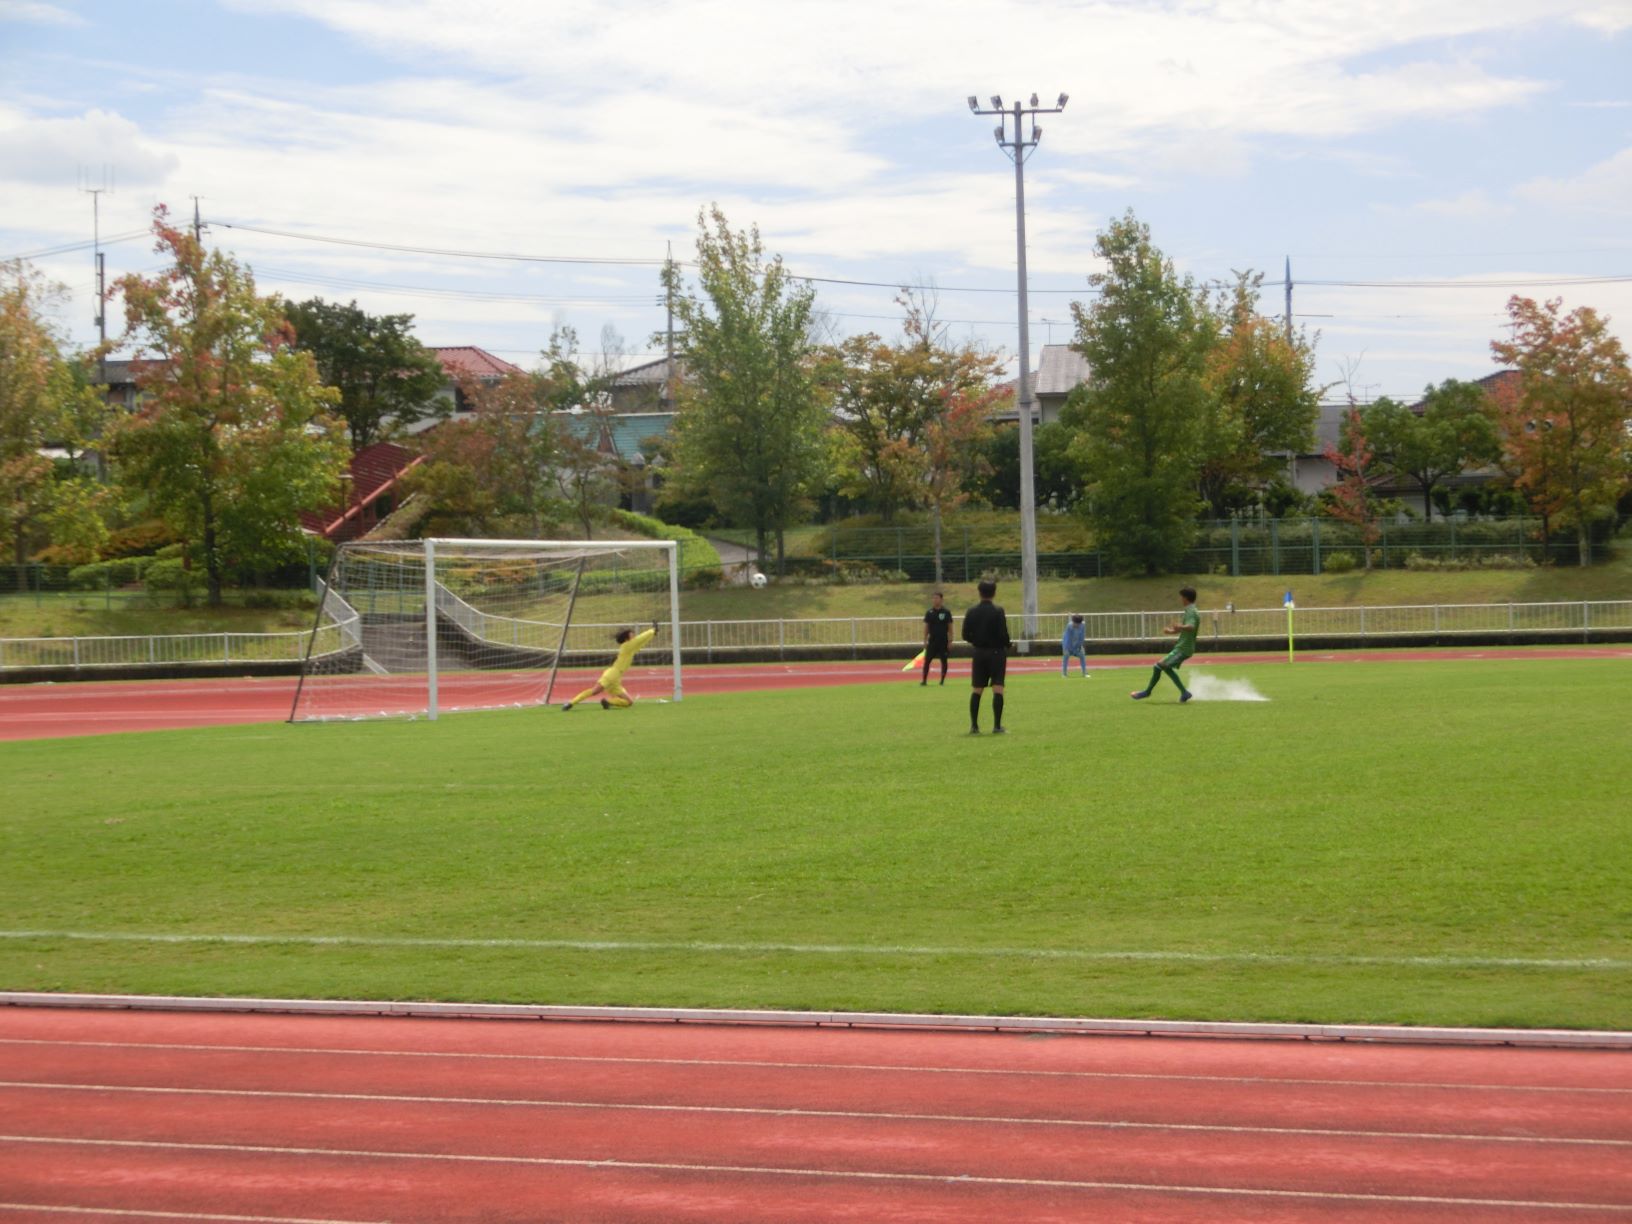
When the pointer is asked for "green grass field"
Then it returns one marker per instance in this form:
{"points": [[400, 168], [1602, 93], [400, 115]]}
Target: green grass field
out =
{"points": [[1429, 843]]}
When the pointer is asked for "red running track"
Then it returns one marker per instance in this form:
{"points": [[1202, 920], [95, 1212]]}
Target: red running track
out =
{"points": [[38, 711], [284, 1118]]}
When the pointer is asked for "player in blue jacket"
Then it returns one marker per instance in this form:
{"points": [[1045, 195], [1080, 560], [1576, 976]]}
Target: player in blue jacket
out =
{"points": [[1074, 645]]}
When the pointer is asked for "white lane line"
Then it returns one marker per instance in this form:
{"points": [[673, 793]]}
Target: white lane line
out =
{"points": [[944, 1179], [890, 1068], [903, 950], [137, 1213], [847, 1114]]}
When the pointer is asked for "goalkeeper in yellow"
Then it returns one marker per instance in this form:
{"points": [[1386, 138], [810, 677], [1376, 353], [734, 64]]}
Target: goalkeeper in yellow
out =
{"points": [[609, 688]]}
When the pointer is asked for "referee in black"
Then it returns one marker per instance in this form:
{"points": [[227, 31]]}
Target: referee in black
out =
{"points": [[986, 628]]}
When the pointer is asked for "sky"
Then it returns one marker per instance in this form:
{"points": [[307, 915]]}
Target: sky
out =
{"points": [[1434, 157]]}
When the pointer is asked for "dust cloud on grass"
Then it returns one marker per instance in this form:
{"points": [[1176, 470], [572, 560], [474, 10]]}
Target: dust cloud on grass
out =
{"points": [[1216, 688]]}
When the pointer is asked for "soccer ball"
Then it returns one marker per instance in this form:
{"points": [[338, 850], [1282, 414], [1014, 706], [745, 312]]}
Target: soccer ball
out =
{"points": [[759, 582]]}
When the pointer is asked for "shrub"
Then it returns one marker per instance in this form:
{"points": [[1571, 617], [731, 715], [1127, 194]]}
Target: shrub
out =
{"points": [[100, 575], [695, 551], [1340, 563], [168, 576], [279, 599]]}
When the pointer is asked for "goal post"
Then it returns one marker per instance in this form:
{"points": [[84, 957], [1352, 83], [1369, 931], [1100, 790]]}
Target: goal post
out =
{"points": [[417, 628]]}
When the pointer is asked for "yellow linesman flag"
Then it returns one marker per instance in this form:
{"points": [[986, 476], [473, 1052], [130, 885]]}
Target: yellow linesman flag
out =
{"points": [[918, 661]]}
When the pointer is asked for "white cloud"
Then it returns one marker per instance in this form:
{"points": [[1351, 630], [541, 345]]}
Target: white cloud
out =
{"points": [[50, 150], [38, 13], [1605, 188], [1471, 205]]}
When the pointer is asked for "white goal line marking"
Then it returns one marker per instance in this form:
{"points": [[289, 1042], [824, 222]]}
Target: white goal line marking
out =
{"points": [[779, 1065], [945, 1179], [700, 946], [137, 1213], [847, 1114]]}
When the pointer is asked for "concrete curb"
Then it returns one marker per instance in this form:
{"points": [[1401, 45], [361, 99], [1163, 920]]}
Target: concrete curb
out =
{"points": [[1571, 1038]]}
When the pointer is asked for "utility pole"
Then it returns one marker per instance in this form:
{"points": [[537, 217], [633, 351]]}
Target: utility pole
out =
{"points": [[101, 319], [198, 225], [1017, 150], [668, 303], [1288, 319]]}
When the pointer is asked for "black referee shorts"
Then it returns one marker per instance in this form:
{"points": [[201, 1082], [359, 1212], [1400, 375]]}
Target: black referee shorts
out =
{"points": [[937, 650], [988, 668]]}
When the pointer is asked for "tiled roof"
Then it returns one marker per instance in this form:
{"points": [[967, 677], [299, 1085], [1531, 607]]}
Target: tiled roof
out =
{"points": [[1060, 369], [647, 374], [469, 360]]}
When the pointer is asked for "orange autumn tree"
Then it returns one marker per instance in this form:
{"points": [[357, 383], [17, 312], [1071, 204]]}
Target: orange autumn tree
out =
{"points": [[1350, 498], [232, 437], [1564, 426]]}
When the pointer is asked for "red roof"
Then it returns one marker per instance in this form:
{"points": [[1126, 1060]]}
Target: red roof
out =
{"points": [[374, 469], [469, 360]]}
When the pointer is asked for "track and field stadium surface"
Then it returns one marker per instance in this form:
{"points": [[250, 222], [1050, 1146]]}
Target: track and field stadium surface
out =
{"points": [[286, 1118], [38, 711]]}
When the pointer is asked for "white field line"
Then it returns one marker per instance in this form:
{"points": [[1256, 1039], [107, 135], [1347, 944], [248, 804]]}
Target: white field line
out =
{"points": [[864, 1175], [778, 1065], [796, 949], [866, 1115], [137, 1213]]}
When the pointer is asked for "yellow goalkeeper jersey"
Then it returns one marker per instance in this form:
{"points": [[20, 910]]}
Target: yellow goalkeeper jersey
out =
{"points": [[626, 656]]}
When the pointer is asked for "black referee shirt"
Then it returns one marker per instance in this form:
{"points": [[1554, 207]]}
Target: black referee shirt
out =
{"points": [[938, 622], [986, 627]]}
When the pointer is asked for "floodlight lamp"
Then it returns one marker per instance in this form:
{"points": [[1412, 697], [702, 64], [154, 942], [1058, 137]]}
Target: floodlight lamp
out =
{"points": [[997, 102], [998, 132], [1036, 132], [973, 104], [1063, 99], [1033, 99]]}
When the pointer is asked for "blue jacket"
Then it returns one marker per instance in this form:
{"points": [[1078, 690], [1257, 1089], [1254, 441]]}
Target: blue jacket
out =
{"points": [[1075, 636]]}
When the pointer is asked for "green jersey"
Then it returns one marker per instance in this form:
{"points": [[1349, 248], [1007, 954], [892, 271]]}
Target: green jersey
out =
{"points": [[1189, 626]]}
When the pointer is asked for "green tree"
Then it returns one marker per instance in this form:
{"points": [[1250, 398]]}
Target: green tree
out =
{"points": [[1564, 429], [586, 474], [1454, 432], [232, 438], [385, 377], [46, 399], [1261, 402], [1147, 337], [749, 426]]}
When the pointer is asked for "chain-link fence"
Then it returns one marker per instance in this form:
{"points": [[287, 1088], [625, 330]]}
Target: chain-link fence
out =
{"points": [[1225, 547]]}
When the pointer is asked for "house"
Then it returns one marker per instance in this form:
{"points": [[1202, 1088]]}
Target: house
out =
{"points": [[623, 438], [463, 364], [1060, 371], [645, 389], [1312, 473]]}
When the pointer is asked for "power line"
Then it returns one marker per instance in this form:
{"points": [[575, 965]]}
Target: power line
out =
{"points": [[70, 247]]}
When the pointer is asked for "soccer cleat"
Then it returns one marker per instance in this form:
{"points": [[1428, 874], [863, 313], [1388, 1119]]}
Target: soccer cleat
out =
{"points": [[566, 707], [999, 731], [605, 704], [1186, 696], [922, 683], [1139, 696], [974, 730]]}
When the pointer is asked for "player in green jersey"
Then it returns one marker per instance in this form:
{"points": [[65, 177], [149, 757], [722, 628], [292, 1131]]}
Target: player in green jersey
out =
{"points": [[1188, 624]]}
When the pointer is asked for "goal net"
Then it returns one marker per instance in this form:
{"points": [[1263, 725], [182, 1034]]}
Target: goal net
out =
{"points": [[417, 628]]}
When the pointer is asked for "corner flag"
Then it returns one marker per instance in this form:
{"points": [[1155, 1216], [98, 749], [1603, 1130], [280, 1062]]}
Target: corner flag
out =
{"points": [[1289, 606]]}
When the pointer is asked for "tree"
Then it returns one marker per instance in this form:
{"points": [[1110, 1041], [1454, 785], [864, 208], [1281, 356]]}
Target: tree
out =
{"points": [[1261, 400], [1453, 433], [585, 474], [750, 420], [385, 377], [1057, 481], [45, 400], [231, 439], [1564, 427], [1350, 500], [1138, 422]]}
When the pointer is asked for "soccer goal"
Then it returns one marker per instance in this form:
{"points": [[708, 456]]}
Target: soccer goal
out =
{"points": [[416, 628]]}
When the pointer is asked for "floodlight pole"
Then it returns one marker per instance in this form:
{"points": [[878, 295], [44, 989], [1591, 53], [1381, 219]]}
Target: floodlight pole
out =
{"points": [[1017, 149]]}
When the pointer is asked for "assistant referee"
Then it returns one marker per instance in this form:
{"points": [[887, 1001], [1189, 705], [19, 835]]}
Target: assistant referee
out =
{"points": [[986, 628]]}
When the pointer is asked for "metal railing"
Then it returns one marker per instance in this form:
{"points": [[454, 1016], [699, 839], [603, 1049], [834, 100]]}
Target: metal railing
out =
{"points": [[703, 641]]}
